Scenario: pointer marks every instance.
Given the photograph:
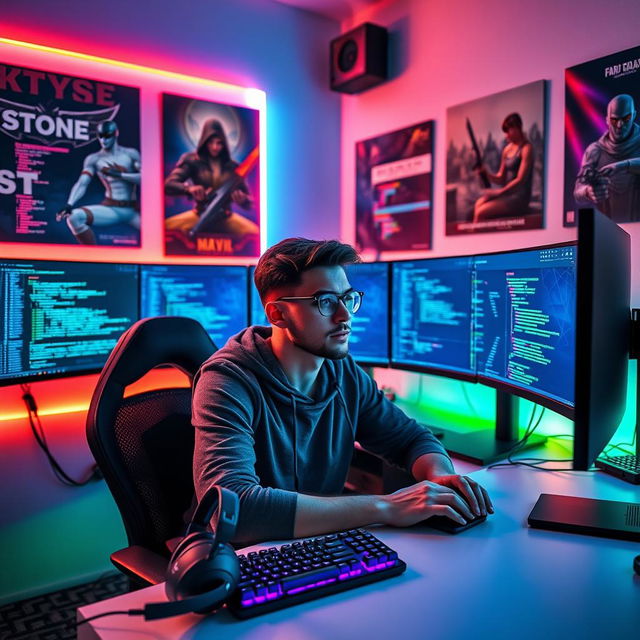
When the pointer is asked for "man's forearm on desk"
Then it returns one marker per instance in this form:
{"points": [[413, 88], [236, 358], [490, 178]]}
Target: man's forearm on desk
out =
{"points": [[316, 515]]}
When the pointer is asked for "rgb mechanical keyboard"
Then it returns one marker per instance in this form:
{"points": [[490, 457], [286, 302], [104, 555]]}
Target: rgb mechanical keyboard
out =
{"points": [[303, 570], [626, 467]]}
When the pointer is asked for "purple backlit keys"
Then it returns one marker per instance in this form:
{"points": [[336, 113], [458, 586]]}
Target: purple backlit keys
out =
{"points": [[275, 578]]}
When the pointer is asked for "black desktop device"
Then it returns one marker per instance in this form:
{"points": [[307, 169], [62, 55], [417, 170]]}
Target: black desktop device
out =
{"points": [[604, 518]]}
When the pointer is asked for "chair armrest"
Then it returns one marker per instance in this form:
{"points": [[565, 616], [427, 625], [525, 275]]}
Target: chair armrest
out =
{"points": [[141, 563]]}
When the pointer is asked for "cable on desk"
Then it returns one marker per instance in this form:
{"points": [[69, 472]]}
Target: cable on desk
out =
{"points": [[124, 612], [528, 432], [533, 463], [41, 439]]}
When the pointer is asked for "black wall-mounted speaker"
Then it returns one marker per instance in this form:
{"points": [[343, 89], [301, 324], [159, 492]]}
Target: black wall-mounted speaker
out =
{"points": [[358, 59]]}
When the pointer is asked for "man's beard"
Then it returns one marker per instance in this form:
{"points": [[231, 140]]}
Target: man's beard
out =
{"points": [[321, 352]]}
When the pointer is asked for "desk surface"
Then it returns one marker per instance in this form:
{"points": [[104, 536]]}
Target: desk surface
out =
{"points": [[500, 579]]}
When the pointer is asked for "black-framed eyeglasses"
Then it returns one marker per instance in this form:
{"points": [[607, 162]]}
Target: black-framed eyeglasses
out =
{"points": [[327, 303]]}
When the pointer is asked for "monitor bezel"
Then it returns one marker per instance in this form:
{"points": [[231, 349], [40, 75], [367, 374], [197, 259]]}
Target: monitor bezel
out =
{"points": [[467, 376], [84, 371]]}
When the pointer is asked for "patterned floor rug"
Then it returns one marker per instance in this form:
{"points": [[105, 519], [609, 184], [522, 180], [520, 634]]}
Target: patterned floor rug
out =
{"points": [[51, 616]]}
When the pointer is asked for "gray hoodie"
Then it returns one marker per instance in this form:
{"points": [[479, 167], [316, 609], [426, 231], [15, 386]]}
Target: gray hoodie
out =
{"points": [[259, 436]]}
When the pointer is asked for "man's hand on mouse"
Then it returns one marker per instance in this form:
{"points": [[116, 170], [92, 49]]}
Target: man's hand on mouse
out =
{"points": [[475, 495]]}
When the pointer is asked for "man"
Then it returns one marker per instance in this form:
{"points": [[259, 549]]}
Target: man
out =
{"points": [[198, 174], [609, 177], [118, 168], [277, 410]]}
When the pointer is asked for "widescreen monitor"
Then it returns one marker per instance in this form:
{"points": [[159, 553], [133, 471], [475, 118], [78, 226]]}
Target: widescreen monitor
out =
{"points": [[431, 322], [524, 323], [215, 296], [369, 339], [62, 318]]}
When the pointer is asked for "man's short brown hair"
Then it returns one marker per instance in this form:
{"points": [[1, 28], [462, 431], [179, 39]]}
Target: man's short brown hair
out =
{"points": [[283, 264]]}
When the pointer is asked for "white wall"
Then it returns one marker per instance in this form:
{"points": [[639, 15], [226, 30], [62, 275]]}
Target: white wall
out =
{"points": [[446, 52]]}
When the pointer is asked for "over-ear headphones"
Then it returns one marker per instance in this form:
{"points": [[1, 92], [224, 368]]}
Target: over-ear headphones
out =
{"points": [[203, 571]]}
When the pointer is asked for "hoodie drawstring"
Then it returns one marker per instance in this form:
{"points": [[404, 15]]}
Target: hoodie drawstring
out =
{"points": [[295, 443], [346, 410]]}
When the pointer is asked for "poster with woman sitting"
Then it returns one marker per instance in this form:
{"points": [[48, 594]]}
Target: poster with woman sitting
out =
{"points": [[495, 162]]}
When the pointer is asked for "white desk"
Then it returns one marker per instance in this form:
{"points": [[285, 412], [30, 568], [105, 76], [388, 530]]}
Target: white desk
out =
{"points": [[498, 580]]}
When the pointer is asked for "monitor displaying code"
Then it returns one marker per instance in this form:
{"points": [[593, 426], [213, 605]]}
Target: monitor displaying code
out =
{"points": [[369, 339], [215, 296], [431, 318], [525, 310], [256, 310], [62, 318]]}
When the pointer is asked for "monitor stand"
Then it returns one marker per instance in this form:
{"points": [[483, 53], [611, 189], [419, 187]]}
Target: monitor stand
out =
{"points": [[489, 445]]}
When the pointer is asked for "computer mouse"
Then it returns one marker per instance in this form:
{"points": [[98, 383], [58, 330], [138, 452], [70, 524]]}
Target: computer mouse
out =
{"points": [[442, 523], [636, 565]]}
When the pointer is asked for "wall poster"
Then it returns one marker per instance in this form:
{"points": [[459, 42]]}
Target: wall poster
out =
{"points": [[602, 137], [211, 178], [495, 162], [70, 159], [393, 190]]}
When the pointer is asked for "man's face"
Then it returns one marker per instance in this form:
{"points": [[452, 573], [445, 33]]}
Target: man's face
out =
{"points": [[620, 117], [323, 336], [214, 147]]}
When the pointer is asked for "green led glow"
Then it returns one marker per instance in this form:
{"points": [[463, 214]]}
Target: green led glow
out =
{"points": [[63, 545]]}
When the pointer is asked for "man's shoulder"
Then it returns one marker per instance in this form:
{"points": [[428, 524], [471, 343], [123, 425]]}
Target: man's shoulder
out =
{"points": [[226, 363]]}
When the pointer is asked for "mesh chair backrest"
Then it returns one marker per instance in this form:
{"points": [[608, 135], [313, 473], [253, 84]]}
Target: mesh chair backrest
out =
{"points": [[155, 438], [144, 443]]}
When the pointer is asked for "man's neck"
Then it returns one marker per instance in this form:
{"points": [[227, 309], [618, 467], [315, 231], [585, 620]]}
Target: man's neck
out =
{"points": [[300, 366]]}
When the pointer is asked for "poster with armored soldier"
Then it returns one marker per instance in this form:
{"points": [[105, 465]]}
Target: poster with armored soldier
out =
{"points": [[70, 161], [211, 178], [602, 137], [495, 162]]}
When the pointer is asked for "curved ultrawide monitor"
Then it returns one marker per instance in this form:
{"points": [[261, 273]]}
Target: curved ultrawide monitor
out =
{"points": [[215, 296], [525, 323], [369, 340], [62, 318], [431, 318]]}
